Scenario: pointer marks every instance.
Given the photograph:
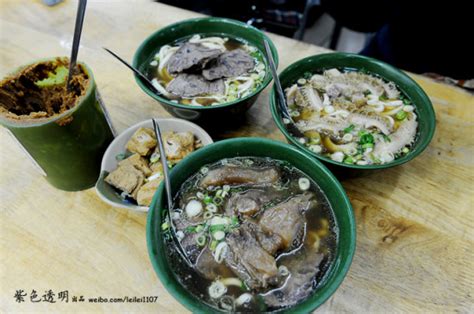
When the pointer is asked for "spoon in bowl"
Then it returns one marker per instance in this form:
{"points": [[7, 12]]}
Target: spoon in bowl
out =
{"points": [[135, 70], [280, 96], [164, 163]]}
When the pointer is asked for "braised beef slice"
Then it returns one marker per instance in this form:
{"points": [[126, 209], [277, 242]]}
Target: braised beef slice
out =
{"points": [[207, 266], [270, 242], [190, 55], [229, 64], [247, 203], [287, 219], [239, 175], [248, 260], [190, 85], [303, 269]]}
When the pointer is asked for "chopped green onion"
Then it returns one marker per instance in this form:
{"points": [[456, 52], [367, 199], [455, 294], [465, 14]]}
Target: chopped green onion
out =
{"points": [[383, 97], [211, 207], [349, 160], [406, 101], [219, 192], [235, 221], [207, 199], [200, 195], [214, 228], [368, 145], [366, 138], [349, 128], [201, 240], [190, 229], [386, 138], [204, 170], [213, 245], [165, 226], [405, 150], [367, 93], [226, 188], [154, 157], [218, 200], [219, 235], [120, 157], [207, 215], [401, 115]]}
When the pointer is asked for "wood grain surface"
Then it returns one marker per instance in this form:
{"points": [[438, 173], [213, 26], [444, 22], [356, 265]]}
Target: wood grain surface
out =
{"points": [[414, 223]]}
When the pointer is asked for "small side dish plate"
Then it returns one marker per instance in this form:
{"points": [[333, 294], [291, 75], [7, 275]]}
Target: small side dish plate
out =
{"points": [[109, 162]]}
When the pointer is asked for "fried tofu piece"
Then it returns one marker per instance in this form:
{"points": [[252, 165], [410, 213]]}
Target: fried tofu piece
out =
{"points": [[156, 167], [142, 142], [126, 178], [178, 145], [147, 191], [139, 162]]}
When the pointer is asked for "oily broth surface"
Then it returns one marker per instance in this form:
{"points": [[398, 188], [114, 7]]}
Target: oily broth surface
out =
{"points": [[320, 218]]}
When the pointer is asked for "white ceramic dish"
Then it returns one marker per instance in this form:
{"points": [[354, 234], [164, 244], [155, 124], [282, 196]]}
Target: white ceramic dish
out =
{"points": [[109, 161]]}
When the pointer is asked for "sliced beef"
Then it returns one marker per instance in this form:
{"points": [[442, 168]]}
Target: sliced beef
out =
{"points": [[249, 261], [246, 203], [287, 219], [229, 64], [207, 266], [190, 85], [270, 242], [303, 269], [190, 55], [239, 175]]}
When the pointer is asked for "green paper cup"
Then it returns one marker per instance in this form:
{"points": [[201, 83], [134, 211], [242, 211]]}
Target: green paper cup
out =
{"points": [[67, 146]]}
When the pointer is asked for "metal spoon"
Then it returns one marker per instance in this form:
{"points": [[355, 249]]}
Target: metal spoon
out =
{"points": [[81, 11], [135, 70], [164, 163], [280, 97]]}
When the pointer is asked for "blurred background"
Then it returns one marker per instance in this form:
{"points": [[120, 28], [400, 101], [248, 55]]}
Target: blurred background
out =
{"points": [[427, 38]]}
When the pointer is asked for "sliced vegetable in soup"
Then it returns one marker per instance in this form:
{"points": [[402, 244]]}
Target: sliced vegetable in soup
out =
{"points": [[259, 233]]}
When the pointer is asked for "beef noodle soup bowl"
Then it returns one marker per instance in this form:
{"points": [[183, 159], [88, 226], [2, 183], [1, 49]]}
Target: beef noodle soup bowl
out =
{"points": [[264, 226], [355, 113], [206, 69]]}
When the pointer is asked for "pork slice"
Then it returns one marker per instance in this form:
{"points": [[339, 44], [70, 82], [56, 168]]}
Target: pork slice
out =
{"points": [[248, 260], [191, 85], [287, 219], [229, 64], [239, 175], [189, 55]]}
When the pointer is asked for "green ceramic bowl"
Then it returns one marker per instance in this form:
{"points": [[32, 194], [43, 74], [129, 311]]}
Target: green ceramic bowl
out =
{"points": [[260, 148], [212, 26], [424, 109]]}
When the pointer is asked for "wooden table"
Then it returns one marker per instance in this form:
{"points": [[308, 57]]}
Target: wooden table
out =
{"points": [[414, 223]]}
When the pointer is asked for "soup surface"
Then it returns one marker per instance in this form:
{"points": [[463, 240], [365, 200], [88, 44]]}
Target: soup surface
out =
{"points": [[204, 71], [260, 235], [352, 116]]}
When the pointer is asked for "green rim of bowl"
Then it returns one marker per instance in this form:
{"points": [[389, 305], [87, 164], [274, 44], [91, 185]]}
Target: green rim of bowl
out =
{"points": [[235, 23], [329, 184], [422, 103]]}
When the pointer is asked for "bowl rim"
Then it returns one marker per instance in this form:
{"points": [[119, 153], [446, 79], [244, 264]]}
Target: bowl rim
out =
{"points": [[137, 125], [399, 161], [187, 301], [166, 101]]}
